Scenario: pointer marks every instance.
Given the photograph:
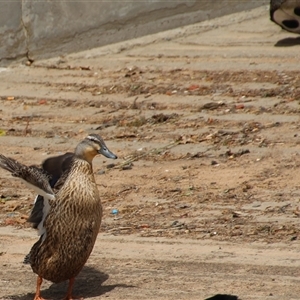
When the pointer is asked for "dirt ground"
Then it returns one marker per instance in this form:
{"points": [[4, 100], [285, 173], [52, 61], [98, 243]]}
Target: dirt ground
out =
{"points": [[205, 121]]}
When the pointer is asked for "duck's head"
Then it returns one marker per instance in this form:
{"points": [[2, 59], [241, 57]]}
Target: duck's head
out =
{"points": [[91, 146]]}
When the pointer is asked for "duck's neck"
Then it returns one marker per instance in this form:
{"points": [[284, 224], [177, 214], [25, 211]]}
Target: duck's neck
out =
{"points": [[83, 165], [84, 153]]}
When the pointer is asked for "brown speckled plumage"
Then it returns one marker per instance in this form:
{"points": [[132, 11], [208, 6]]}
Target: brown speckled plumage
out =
{"points": [[71, 227], [71, 221]]}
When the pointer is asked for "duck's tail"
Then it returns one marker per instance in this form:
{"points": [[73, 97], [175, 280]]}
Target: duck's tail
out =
{"points": [[32, 176], [26, 260]]}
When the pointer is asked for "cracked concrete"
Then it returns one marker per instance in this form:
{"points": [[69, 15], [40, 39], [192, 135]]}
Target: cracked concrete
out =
{"points": [[25, 33], [31, 30]]}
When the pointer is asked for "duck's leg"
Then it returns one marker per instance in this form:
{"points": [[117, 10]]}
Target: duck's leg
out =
{"points": [[69, 292], [38, 289]]}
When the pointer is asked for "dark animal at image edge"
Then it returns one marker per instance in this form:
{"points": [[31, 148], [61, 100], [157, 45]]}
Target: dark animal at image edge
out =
{"points": [[68, 213], [286, 14]]}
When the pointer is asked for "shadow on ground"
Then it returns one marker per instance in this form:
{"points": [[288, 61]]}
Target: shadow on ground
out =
{"points": [[88, 284], [288, 42], [223, 297]]}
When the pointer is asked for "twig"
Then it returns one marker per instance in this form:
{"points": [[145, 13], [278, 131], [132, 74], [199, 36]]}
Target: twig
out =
{"points": [[156, 150]]}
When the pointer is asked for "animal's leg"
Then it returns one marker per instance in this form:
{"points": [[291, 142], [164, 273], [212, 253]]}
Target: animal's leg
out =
{"points": [[69, 292], [38, 289]]}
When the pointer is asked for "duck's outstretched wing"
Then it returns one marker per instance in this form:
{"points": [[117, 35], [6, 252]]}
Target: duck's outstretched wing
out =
{"points": [[32, 176], [54, 166]]}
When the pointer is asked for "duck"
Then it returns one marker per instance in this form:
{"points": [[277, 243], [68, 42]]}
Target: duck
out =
{"points": [[71, 213]]}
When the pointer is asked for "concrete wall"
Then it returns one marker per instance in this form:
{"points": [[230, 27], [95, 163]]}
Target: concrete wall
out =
{"points": [[13, 40], [33, 29]]}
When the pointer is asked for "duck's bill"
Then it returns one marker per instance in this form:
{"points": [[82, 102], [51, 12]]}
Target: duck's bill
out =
{"points": [[107, 153]]}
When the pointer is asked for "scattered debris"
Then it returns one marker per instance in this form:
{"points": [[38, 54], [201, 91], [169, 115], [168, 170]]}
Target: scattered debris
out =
{"points": [[211, 105], [230, 154], [114, 211]]}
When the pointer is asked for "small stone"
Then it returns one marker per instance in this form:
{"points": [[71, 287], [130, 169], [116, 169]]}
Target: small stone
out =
{"points": [[114, 211]]}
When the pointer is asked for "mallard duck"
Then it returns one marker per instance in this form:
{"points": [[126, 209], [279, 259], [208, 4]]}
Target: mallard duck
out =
{"points": [[71, 215]]}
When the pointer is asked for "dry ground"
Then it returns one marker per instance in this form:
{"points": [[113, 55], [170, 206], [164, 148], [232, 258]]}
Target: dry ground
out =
{"points": [[205, 121]]}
